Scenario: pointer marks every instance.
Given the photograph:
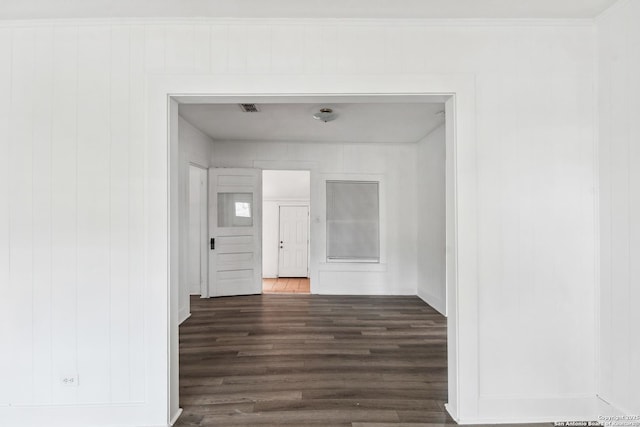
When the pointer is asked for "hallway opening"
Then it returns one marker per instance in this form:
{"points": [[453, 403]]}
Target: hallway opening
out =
{"points": [[364, 204], [286, 233]]}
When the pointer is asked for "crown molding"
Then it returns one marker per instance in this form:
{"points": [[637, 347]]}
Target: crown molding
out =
{"points": [[325, 22]]}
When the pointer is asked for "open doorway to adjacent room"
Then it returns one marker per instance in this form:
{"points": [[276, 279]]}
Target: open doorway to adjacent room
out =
{"points": [[353, 206], [286, 195]]}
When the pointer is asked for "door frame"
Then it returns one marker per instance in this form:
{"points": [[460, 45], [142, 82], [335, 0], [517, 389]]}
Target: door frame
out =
{"points": [[165, 92], [292, 165], [204, 282]]}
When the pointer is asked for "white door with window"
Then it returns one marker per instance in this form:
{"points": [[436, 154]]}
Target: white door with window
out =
{"points": [[294, 241], [235, 265]]}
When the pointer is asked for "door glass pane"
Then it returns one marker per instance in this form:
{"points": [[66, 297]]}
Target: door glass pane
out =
{"points": [[235, 209]]}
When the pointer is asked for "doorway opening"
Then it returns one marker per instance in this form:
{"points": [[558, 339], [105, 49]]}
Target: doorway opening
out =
{"points": [[356, 161], [286, 234]]}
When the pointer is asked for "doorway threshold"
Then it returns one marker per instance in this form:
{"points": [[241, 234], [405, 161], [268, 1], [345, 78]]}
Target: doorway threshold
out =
{"points": [[286, 285]]}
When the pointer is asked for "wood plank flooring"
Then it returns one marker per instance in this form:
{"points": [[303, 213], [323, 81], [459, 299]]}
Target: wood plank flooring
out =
{"points": [[305, 360], [287, 285]]}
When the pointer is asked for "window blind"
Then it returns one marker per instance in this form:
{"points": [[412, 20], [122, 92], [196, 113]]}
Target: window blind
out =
{"points": [[353, 221]]}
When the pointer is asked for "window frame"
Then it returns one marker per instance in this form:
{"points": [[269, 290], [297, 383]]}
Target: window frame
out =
{"points": [[382, 216]]}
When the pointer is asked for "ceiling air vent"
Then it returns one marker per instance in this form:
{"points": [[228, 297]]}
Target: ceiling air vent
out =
{"points": [[249, 108]]}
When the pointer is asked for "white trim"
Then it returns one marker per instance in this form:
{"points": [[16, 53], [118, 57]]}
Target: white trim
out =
{"points": [[204, 279], [183, 316], [197, 165], [596, 212], [452, 411], [351, 98], [615, 410], [452, 285], [438, 304], [352, 266], [287, 202], [293, 165], [333, 22], [611, 9], [462, 327], [83, 415], [382, 197], [540, 410], [172, 248], [174, 419]]}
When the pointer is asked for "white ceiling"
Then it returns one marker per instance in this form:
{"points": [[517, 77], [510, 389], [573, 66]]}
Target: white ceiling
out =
{"points": [[356, 122], [28, 9]]}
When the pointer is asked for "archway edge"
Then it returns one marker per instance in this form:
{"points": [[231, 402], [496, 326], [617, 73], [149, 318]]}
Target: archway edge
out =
{"points": [[165, 92]]}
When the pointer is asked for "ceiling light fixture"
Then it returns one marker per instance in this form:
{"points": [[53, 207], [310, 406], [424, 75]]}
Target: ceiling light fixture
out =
{"points": [[326, 115]]}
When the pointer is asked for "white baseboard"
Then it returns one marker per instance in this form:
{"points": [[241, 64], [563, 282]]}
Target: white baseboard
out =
{"points": [[452, 412], [437, 303], [105, 415], [175, 417], [621, 409], [496, 410], [182, 316]]}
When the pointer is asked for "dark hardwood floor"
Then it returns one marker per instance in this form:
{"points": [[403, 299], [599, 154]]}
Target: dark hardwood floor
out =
{"points": [[298, 360]]}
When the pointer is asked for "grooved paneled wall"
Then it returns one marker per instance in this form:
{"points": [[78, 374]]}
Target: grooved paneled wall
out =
{"points": [[73, 293], [72, 213]]}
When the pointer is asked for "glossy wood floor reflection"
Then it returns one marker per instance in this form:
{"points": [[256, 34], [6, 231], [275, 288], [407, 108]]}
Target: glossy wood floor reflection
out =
{"points": [[301, 360]]}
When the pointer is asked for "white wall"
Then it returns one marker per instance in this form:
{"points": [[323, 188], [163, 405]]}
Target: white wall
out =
{"points": [[430, 158], [394, 164], [286, 185], [194, 148], [619, 145], [279, 188], [76, 199]]}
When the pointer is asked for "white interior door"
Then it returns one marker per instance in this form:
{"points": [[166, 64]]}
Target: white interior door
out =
{"points": [[198, 233], [294, 241], [235, 264]]}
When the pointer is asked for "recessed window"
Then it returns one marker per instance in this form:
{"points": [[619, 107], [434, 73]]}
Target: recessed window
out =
{"points": [[353, 221]]}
